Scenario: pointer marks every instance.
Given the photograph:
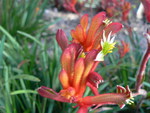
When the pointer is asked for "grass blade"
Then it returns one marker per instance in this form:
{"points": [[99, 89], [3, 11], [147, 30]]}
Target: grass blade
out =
{"points": [[26, 77], [1, 50], [23, 92], [13, 41], [30, 37]]}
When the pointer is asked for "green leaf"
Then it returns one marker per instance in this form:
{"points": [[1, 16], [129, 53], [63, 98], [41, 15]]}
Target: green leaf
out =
{"points": [[13, 41], [103, 86], [26, 77], [30, 37], [1, 50], [23, 92]]}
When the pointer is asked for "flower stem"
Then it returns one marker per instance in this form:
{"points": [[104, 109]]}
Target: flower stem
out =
{"points": [[141, 71]]}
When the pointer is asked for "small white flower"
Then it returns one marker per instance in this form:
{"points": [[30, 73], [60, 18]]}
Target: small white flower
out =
{"points": [[99, 57], [108, 39], [107, 45]]}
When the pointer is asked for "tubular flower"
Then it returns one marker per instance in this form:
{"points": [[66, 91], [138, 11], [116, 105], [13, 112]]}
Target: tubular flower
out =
{"points": [[124, 49], [70, 5], [78, 67], [90, 37], [62, 39], [122, 96], [77, 73], [146, 4], [142, 67]]}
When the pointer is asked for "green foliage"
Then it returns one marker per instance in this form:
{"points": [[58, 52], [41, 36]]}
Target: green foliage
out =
{"points": [[24, 69], [23, 15]]}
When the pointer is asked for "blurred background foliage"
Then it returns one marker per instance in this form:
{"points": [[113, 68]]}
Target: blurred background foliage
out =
{"points": [[29, 58]]}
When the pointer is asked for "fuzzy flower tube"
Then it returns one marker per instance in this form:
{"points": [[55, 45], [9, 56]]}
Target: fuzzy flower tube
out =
{"points": [[70, 5], [141, 71], [146, 4], [79, 60]]}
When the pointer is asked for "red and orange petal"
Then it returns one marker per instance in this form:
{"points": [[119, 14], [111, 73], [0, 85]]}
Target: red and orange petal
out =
{"points": [[68, 58], [146, 4], [68, 93], [78, 34], [62, 39], [94, 79], [50, 93], [97, 21], [74, 36], [89, 63], [64, 79], [84, 22], [93, 88], [83, 109], [78, 72], [113, 27], [90, 39], [119, 98]]}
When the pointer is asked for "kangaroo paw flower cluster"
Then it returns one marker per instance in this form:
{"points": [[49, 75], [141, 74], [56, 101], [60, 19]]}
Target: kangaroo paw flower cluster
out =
{"points": [[79, 59]]}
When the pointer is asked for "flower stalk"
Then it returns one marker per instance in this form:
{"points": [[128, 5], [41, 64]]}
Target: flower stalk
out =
{"points": [[141, 71]]}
